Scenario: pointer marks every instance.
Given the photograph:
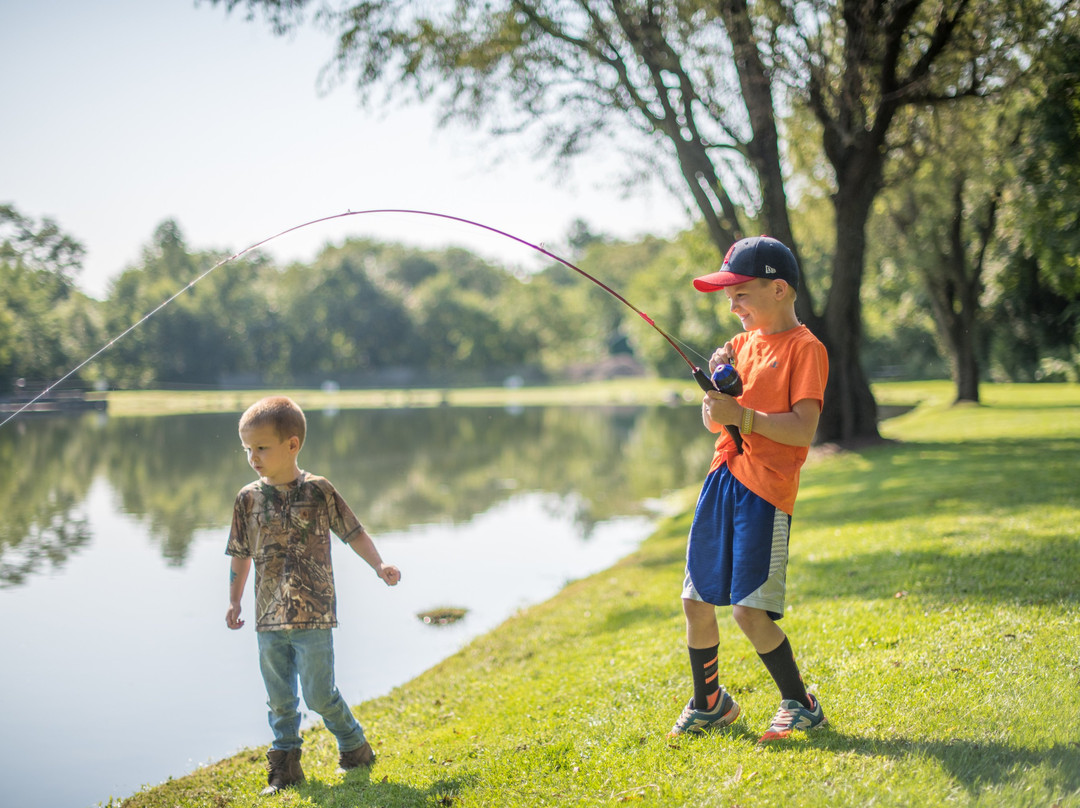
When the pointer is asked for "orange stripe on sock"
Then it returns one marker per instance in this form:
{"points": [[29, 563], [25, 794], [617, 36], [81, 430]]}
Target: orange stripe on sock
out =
{"points": [[712, 678], [712, 700], [711, 662]]}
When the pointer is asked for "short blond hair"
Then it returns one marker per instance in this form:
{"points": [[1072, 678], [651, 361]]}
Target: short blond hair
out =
{"points": [[279, 412]]}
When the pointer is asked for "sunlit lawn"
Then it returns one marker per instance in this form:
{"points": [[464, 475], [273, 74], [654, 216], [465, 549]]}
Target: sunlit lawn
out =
{"points": [[934, 606]]}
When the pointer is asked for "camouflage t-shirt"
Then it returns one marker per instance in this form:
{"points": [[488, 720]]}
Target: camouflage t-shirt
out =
{"points": [[286, 531]]}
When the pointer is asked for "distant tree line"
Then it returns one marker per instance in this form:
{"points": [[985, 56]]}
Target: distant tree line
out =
{"points": [[362, 313], [366, 313]]}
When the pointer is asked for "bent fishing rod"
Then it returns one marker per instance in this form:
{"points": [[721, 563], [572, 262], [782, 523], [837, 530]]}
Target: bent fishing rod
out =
{"points": [[699, 375]]}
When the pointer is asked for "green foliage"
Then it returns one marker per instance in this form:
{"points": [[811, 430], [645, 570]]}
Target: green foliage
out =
{"points": [[1049, 162], [336, 321], [977, 229], [209, 330], [658, 81], [740, 107], [1038, 330], [43, 317], [664, 287], [39, 245], [899, 338], [928, 609], [361, 313], [366, 314], [931, 252], [1037, 306]]}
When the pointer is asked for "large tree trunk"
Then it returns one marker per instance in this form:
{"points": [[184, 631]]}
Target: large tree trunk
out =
{"points": [[954, 300], [964, 325], [850, 412], [966, 372]]}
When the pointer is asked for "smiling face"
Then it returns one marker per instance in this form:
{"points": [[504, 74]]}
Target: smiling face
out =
{"points": [[273, 459], [761, 305]]}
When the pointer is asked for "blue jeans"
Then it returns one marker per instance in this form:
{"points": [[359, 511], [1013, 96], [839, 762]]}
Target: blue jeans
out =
{"points": [[304, 656]]}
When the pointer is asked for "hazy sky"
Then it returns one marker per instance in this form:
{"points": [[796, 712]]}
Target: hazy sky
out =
{"points": [[120, 114]]}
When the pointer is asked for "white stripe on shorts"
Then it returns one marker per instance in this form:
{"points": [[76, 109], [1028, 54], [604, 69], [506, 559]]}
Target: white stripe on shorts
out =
{"points": [[770, 596]]}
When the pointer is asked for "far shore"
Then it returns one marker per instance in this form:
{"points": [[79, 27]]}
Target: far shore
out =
{"points": [[618, 392]]}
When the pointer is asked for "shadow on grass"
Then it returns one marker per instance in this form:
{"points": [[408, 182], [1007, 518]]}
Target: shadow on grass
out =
{"points": [[1028, 576], [973, 479], [975, 765], [925, 478], [361, 789]]}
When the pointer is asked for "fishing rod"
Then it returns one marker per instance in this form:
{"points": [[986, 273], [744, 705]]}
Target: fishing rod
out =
{"points": [[699, 375]]}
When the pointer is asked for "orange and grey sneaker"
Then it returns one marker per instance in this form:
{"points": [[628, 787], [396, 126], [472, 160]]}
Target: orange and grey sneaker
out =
{"points": [[791, 716], [693, 720]]}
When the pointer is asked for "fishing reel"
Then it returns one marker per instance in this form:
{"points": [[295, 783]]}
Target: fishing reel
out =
{"points": [[725, 379]]}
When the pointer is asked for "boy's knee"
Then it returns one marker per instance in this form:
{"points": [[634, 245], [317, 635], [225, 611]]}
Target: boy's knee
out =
{"points": [[327, 702], [284, 707], [321, 702], [748, 618], [698, 611]]}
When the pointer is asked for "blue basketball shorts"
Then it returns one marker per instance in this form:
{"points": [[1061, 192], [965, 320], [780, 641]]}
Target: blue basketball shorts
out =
{"points": [[738, 547]]}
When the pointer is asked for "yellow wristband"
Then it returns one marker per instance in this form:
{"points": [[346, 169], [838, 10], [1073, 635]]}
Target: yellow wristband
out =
{"points": [[747, 425]]}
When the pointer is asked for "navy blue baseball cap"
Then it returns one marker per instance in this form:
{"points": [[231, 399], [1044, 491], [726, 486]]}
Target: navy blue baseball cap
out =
{"points": [[750, 258]]}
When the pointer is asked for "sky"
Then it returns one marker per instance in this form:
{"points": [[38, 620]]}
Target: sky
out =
{"points": [[119, 115]]}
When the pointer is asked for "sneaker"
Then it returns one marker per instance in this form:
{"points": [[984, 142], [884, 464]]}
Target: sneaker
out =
{"points": [[694, 720], [792, 716]]}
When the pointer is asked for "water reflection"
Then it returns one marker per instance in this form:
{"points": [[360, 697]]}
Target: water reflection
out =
{"points": [[114, 546], [398, 468]]}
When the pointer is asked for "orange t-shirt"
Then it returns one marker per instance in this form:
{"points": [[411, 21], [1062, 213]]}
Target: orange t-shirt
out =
{"points": [[777, 370]]}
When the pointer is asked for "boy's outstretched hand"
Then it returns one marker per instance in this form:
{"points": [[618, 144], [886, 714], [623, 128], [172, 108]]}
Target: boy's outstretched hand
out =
{"points": [[390, 574]]}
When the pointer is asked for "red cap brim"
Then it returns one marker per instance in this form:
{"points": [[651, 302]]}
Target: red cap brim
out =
{"points": [[718, 280]]}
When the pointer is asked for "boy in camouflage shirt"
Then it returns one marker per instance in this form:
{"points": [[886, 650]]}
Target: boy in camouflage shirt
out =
{"points": [[283, 522]]}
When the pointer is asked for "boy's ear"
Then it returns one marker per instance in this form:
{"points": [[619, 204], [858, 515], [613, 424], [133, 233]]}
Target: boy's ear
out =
{"points": [[294, 443]]}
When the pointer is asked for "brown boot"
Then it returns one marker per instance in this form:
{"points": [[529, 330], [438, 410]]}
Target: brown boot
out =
{"points": [[355, 758], [283, 769]]}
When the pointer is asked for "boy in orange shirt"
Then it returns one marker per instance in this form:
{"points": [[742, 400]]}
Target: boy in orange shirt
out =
{"points": [[738, 543]]}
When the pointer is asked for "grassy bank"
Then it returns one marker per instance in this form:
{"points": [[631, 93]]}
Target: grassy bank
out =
{"points": [[934, 606]]}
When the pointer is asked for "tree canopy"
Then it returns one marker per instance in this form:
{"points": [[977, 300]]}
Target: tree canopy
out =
{"points": [[708, 89]]}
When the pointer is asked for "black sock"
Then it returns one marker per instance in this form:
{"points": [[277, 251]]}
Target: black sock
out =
{"points": [[780, 662], [704, 665]]}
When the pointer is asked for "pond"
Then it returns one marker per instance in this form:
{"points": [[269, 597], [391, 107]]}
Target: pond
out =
{"points": [[118, 668]]}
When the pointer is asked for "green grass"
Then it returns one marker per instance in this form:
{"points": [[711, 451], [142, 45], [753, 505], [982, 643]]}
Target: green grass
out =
{"points": [[933, 605]]}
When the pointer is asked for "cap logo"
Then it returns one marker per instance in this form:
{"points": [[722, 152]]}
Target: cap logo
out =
{"points": [[769, 270]]}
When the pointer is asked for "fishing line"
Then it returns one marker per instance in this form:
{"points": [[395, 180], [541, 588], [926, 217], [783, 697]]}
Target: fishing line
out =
{"points": [[699, 376]]}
